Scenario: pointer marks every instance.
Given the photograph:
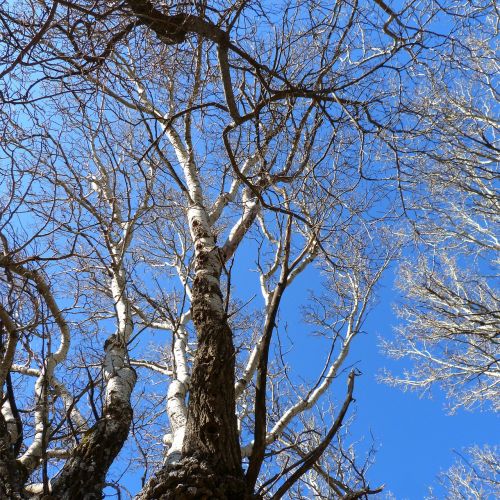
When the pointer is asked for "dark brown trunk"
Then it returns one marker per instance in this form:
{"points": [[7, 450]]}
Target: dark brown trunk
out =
{"points": [[211, 463], [84, 473], [11, 472], [212, 427]]}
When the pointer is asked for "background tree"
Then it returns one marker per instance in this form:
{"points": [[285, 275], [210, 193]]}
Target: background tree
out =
{"points": [[474, 475], [449, 311], [450, 314]]}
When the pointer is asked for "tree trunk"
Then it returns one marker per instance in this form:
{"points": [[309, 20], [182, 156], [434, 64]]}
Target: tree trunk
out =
{"points": [[211, 458], [84, 474], [11, 472]]}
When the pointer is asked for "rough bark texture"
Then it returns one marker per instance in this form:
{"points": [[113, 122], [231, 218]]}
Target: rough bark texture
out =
{"points": [[11, 477], [84, 474], [210, 467], [194, 478], [212, 426]]}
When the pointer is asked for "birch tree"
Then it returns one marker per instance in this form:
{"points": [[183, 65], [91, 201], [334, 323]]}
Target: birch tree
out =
{"points": [[474, 474], [175, 175]]}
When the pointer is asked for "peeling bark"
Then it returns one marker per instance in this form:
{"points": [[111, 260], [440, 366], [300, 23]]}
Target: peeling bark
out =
{"points": [[84, 474], [211, 459]]}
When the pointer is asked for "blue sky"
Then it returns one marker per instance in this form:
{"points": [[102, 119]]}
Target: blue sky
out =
{"points": [[415, 436]]}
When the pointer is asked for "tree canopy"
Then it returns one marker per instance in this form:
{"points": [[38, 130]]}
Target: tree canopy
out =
{"points": [[199, 197]]}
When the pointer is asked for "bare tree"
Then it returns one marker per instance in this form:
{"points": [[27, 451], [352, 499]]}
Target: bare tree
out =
{"points": [[450, 315], [171, 173], [474, 475]]}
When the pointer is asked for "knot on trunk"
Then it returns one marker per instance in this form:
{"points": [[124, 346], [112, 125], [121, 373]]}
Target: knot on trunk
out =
{"points": [[113, 341]]}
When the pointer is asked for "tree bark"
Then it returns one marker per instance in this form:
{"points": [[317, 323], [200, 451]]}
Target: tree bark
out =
{"points": [[210, 466], [84, 474], [12, 476]]}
